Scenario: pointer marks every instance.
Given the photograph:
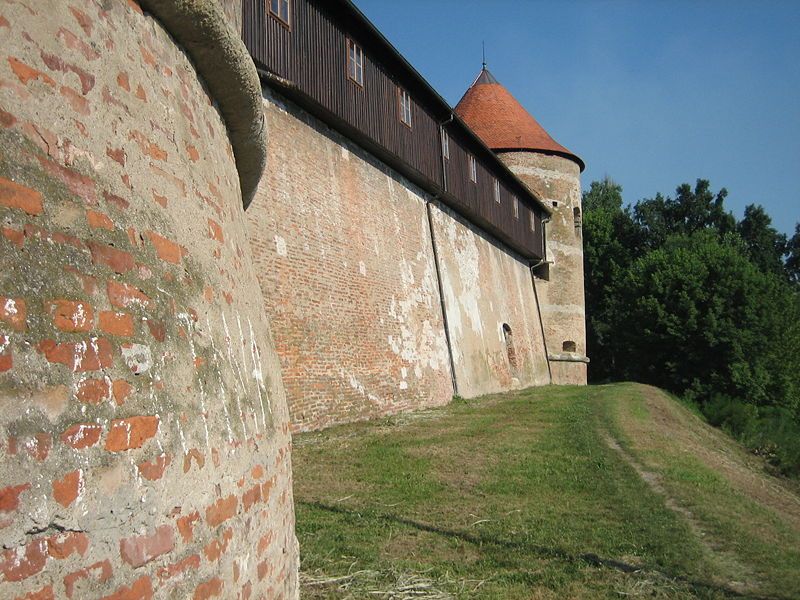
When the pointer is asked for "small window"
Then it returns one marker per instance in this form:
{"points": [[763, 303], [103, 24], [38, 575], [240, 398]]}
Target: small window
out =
{"points": [[355, 62], [555, 203], [280, 10], [516, 208], [569, 346], [497, 191], [533, 221], [445, 144], [473, 169], [405, 108]]}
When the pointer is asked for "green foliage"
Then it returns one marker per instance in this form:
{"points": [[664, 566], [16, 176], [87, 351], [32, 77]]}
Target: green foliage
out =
{"points": [[682, 296]]}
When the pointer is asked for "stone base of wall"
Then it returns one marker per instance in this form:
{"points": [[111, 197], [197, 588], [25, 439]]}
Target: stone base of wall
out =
{"points": [[568, 373]]}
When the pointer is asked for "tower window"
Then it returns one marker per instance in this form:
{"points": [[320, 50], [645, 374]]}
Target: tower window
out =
{"points": [[516, 208], [569, 346], [405, 108], [532, 221], [355, 62], [445, 144], [497, 191], [280, 10], [473, 169]]}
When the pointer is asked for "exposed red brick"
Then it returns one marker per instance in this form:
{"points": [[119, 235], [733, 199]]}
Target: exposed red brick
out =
{"points": [[162, 200], [125, 434], [14, 236], [26, 73], [141, 589], [31, 560], [115, 200], [32, 231], [263, 569], [121, 390], [70, 40], [219, 546], [7, 119], [167, 250], [67, 489], [251, 496], [13, 312], [98, 220], [78, 184], [65, 544], [71, 315], [6, 359], [135, 6], [157, 330], [94, 391], [257, 472], [124, 81], [116, 154], [116, 323], [147, 56], [83, 20], [191, 562], [122, 295], [141, 549], [215, 231], [38, 446], [209, 589], [222, 510], [14, 195], [78, 103], [197, 456], [147, 146], [56, 63], [154, 470], [194, 155], [46, 593], [92, 355], [117, 260], [140, 93], [99, 571], [9, 496], [82, 435], [186, 525], [4, 22]]}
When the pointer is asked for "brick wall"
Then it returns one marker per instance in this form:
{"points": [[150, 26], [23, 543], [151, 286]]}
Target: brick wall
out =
{"points": [[343, 253], [144, 440], [486, 286]]}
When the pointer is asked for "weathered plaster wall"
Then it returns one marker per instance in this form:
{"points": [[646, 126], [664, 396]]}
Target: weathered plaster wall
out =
{"points": [[557, 180], [144, 440], [485, 286], [344, 257]]}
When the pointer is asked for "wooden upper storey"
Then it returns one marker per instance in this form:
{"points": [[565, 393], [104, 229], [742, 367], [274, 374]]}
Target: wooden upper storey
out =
{"points": [[326, 56]]}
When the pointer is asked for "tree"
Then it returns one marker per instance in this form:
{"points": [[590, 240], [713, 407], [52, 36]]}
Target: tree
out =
{"points": [[765, 246], [793, 256], [690, 211]]}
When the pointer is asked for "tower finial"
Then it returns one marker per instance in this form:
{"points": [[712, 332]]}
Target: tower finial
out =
{"points": [[483, 44]]}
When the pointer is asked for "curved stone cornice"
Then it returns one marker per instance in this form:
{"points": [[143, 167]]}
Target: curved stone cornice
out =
{"points": [[201, 28]]}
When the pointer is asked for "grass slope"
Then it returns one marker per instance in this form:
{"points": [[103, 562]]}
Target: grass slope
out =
{"points": [[559, 492]]}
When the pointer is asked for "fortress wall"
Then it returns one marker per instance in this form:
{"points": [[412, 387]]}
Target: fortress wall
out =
{"points": [[557, 179], [144, 439], [343, 253], [485, 286]]}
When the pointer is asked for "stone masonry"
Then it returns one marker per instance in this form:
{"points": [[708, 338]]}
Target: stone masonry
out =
{"points": [[144, 437]]}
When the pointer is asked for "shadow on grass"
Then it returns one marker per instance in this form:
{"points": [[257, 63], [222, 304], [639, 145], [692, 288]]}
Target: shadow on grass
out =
{"points": [[540, 551]]}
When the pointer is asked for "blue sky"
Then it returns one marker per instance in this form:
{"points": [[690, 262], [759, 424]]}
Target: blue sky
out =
{"points": [[651, 93]]}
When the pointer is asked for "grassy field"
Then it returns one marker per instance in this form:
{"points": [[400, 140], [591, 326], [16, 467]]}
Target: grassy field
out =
{"points": [[562, 492]]}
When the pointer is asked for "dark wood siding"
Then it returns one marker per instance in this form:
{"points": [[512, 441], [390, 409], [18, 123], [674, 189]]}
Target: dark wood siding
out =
{"points": [[310, 57]]}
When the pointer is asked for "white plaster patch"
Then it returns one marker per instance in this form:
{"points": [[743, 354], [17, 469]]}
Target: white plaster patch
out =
{"points": [[138, 357], [10, 307], [280, 246]]}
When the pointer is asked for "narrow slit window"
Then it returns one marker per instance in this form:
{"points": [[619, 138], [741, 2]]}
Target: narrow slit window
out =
{"points": [[473, 169], [355, 62], [516, 208], [405, 108], [497, 191], [280, 10], [533, 221], [445, 145]]}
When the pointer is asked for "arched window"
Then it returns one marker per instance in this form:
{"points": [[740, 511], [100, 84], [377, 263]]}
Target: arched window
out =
{"points": [[512, 354]]}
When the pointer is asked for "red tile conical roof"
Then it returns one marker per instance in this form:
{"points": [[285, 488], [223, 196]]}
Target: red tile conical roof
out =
{"points": [[502, 122]]}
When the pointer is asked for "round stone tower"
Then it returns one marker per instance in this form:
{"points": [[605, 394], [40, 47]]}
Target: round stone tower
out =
{"points": [[552, 173]]}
